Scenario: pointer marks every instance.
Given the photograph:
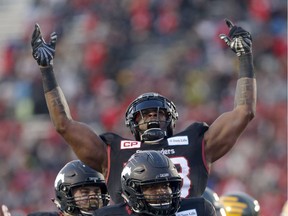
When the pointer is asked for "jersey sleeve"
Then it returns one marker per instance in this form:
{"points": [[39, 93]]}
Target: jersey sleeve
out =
{"points": [[108, 138], [201, 127]]}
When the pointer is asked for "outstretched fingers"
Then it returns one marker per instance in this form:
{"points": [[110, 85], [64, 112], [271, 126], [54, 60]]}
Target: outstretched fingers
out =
{"points": [[36, 34], [53, 39], [226, 39], [229, 23]]}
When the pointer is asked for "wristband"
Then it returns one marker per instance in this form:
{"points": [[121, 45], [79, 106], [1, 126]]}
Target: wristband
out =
{"points": [[48, 78], [246, 66]]}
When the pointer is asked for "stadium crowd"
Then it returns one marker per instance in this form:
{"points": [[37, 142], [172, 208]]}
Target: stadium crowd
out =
{"points": [[109, 52]]}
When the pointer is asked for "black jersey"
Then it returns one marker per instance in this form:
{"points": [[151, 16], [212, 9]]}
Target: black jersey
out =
{"points": [[185, 149], [45, 214], [197, 206]]}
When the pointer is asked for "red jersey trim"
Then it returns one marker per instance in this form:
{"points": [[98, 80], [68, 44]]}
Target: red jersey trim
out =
{"points": [[128, 210], [108, 162], [204, 157]]}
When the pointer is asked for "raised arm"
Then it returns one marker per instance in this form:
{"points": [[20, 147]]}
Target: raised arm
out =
{"points": [[86, 144], [227, 128]]}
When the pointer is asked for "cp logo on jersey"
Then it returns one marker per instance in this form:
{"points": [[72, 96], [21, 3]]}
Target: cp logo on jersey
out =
{"points": [[128, 144]]}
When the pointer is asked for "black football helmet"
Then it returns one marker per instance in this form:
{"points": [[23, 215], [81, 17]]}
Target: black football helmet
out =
{"points": [[213, 197], [240, 204], [154, 132], [76, 174], [146, 168]]}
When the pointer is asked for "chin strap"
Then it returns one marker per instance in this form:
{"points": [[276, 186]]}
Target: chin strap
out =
{"points": [[84, 213], [153, 135]]}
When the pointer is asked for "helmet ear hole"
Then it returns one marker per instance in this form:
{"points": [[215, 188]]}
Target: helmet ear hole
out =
{"points": [[140, 205], [63, 188]]}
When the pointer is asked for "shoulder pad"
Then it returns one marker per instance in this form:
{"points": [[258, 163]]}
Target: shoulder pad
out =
{"points": [[109, 137], [201, 126]]}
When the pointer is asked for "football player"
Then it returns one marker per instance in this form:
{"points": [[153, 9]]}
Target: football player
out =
{"points": [[213, 197], [79, 190], [151, 118], [240, 204], [151, 185]]}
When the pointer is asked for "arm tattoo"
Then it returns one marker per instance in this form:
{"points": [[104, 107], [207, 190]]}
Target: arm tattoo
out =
{"points": [[245, 92], [58, 102]]}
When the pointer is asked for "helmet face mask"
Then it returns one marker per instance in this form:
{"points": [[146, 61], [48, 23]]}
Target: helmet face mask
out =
{"points": [[147, 173], [160, 197], [87, 201], [156, 128], [158, 194], [71, 186]]}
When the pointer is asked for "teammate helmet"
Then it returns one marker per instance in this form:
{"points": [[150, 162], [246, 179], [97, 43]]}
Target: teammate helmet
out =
{"points": [[76, 174], [145, 169], [240, 204], [151, 101], [213, 197]]}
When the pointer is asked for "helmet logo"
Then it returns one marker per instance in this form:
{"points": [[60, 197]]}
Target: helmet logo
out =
{"points": [[234, 206], [162, 175], [95, 179], [59, 179], [126, 170]]}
